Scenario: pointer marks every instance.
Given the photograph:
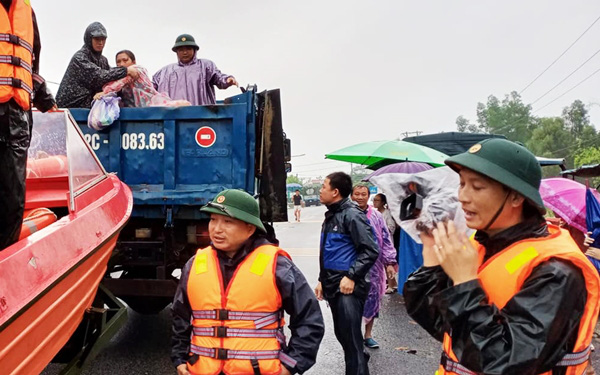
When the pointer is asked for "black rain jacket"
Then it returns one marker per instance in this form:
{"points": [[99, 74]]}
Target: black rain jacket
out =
{"points": [[535, 329], [297, 297], [348, 248], [87, 72]]}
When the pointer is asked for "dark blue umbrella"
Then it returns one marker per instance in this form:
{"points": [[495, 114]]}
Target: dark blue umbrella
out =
{"points": [[592, 221]]}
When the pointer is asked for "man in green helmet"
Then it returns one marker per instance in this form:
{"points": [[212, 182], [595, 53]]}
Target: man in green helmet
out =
{"points": [[517, 298], [228, 308], [191, 78]]}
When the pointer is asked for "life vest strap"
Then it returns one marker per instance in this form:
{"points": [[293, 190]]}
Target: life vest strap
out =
{"points": [[574, 359], [16, 83], [451, 366], [15, 39], [569, 359], [260, 319], [221, 331], [16, 61], [225, 354]]}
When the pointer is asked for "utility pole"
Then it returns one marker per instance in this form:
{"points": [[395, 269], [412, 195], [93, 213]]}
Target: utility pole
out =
{"points": [[416, 133]]}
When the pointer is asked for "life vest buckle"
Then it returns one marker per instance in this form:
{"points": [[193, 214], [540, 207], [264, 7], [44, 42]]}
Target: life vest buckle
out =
{"points": [[16, 83], [15, 60], [220, 331], [14, 39], [220, 354], [222, 314]]}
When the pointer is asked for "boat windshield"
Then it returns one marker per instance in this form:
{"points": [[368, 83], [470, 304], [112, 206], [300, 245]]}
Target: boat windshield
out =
{"points": [[58, 150]]}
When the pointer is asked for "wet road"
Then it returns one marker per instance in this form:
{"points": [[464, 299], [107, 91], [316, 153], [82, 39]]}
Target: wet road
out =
{"points": [[142, 346]]}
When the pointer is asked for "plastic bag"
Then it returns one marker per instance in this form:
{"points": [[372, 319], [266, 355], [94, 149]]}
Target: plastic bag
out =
{"points": [[104, 111], [439, 189]]}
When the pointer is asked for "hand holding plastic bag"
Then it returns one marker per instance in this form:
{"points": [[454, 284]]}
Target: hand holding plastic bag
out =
{"points": [[104, 112], [439, 189]]}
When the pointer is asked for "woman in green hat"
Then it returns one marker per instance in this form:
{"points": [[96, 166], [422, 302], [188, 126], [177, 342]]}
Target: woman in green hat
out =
{"points": [[519, 297]]}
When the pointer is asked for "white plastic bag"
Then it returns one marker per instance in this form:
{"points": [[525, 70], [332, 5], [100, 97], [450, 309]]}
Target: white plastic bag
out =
{"points": [[104, 111], [439, 189]]}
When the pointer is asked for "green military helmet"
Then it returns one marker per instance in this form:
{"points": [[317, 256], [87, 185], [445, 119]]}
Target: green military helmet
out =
{"points": [[185, 40], [506, 162], [236, 204]]}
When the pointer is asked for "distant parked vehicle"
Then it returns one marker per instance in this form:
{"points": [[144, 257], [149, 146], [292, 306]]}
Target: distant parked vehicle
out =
{"points": [[311, 200]]}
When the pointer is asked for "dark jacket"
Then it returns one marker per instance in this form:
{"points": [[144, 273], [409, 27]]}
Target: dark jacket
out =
{"points": [[348, 248], [297, 297], [535, 329], [87, 72]]}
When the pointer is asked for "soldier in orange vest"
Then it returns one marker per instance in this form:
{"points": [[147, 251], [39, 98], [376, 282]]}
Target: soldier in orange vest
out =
{"points": [[20, 85], [232, 296], [519, 297]]}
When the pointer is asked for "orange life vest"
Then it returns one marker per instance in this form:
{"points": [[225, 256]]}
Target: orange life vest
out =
{"points": [[16, 53], [238, 330], [503, 275]]}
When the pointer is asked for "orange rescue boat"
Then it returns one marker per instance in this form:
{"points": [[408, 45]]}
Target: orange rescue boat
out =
{"points": [[50, 277]]}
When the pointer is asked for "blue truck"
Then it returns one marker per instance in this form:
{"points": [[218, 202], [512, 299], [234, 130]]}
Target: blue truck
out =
{"points": [[175, 160]]}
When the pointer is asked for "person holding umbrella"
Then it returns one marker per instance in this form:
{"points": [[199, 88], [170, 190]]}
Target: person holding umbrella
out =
{"points": [[519, 298]]}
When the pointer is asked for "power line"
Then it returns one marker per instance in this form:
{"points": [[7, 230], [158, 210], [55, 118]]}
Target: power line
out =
{"points": [[568, 91], [561, 55], [567, 77], [497, 130]]}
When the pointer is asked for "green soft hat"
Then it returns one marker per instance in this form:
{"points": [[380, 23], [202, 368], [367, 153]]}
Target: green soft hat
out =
{"points": [[236, 204], [185, 40], [506, 162]]}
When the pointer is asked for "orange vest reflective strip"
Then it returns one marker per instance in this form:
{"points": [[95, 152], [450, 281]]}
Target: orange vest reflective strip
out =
{"points": [[16, 53], [513, 265], [241, 326]]}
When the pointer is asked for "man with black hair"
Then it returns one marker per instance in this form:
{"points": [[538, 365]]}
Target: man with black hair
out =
{"points": [[228, 307], [517, 298], [348, 251], [297, 198]]}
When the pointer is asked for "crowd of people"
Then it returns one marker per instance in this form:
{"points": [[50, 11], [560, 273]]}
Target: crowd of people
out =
{"points": [[189, 81], [519, 297], [89, 76]]}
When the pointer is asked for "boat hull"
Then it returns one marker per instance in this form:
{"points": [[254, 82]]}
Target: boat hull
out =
{"points": [[49, 280]]}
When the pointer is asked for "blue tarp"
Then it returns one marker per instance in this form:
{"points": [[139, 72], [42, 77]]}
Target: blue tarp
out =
{"points": [[410, 257], [592, 221]]}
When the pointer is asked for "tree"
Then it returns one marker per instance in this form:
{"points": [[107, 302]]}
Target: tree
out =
{"points": [[576, 118], [465, 126], [588, 155], [358, 172], [293, 180], [509, 117]]}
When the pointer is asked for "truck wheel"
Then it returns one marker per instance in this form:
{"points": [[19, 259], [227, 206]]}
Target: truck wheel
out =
{"points": [[146, 305]]}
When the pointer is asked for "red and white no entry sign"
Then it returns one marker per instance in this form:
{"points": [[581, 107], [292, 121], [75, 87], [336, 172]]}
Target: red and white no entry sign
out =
{"points": [[206, 136]]}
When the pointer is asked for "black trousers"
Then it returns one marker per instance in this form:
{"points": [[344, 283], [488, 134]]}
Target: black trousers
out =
{"points": [[15, 135], [347, 311]]}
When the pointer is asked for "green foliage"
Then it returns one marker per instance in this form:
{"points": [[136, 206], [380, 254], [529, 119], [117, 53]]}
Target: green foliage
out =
{"points": [[552, 137], [509, 117], [465, 126], [588, 155], [293, 180], [358, 172]]}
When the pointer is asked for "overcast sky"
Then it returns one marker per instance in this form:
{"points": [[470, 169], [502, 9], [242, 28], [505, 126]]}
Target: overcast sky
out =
{"points": [[353, 71]]}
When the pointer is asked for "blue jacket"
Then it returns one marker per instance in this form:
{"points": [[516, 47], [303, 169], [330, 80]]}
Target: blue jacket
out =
{"points": [[348, 248]]}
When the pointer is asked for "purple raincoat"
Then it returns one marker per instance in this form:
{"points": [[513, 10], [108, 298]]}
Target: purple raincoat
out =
{"points": [[193, 81], [387, 256]]}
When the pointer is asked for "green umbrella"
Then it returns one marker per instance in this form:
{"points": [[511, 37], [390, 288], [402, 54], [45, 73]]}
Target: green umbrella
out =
{"points": [[379, 153]]}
